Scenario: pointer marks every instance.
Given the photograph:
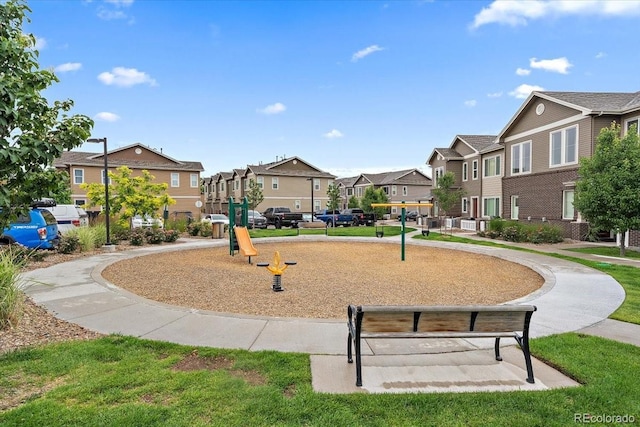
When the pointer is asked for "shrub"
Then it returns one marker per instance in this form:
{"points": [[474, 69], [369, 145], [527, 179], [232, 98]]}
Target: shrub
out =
{"points": [[10, 301], [69, 243], [171, 235], [180, 224], [206, 230], [137, 237], [155, 236], [496, 225], [194, 228]]}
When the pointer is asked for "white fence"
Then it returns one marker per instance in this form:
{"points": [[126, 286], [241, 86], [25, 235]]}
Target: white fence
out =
{"points": [[468, 224]]}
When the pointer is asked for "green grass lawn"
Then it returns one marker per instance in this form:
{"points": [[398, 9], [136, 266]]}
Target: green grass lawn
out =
{"points": [[388, 231], [117, 381]]}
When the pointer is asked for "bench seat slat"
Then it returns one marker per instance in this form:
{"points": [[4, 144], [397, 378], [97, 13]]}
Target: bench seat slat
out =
{"points": [[443, 334]]}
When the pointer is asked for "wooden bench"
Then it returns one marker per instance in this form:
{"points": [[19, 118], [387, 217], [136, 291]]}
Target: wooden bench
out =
{"points": [[497, 321]]}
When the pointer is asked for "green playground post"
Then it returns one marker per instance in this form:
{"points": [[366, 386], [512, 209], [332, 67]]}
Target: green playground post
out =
{"points": [[244, 218]]}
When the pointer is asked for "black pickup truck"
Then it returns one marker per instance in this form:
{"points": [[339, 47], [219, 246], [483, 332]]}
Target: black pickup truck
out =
{"points": [[280, 216], [360, 217]]}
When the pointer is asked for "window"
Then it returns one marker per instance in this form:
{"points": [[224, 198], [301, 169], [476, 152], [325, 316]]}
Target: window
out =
{"points": [[438, 172], [246, 184], [274, 183], [474, 169], [349, 191], [514, 207], [465, 205], [491, 166], [297, 205], [521, 158], [102, 177], [386, 190], [175, 179], [316, 205], [563, 147], [635, 121], [194, 180], [359, 191], [80, 202], [394, 190], [316, 184], [260, 181], [465, 171], [78, 176], [491, 207], [405, 191], [236, 184], [568, 211], [222, 186]]}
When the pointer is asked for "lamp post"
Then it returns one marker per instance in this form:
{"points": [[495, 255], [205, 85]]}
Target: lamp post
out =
{"points": [[311, 179], [106, 184]]}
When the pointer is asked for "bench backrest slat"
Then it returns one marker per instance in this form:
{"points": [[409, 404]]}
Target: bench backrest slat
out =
{"points": [[407, 319]]}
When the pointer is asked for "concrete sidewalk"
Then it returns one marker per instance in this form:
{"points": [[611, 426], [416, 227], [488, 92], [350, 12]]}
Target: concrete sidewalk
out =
{"points": [[573, 298]]}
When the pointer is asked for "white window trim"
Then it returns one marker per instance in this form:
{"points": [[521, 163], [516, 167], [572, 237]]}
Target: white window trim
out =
{"points": [[194, 180], [632, 119], [405, 190], [297, 205], [275, 185], [484, 206], [260, 181], [465, 205], [563, 148], [514, 198], [564, 202], [175, 179], [102, 177], [465, 171], [521, 159], [497, 169], [81, 176], [316, 184], [474, 170]]}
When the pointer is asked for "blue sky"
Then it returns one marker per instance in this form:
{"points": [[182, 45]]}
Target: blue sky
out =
{"points": [[350, 87]]}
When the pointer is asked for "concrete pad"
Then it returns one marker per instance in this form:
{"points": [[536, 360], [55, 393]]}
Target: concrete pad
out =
{"points": [[470, 371], [44, 294], [417, 346], [304, 336], [208, 330]]}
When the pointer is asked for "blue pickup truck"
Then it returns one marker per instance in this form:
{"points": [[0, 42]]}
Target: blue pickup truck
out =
{"points": [[334, 218]]}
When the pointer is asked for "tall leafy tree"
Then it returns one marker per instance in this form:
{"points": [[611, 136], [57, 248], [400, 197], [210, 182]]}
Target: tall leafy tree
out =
{"points": [[445, 193], [372, 195], [353, 202], [33, 133], [608, 191], [333, 193], [255, 195], [130, 195]]}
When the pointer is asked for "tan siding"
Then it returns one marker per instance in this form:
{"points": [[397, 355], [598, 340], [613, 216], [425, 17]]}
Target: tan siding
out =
{"points": [[145, 155], [492, 187], [463, 148], [530, 120]]}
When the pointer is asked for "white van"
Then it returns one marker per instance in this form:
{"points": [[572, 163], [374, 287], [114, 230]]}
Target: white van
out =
{"points": [[69, 217]]}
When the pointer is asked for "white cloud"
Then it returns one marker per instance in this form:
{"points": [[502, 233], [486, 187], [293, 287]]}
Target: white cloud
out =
{"points": [[333, 134], [515, 13], [558, 65], [365, 52], [523, 72], [69, 66], [276, 108], [470, 103], [107, 117], [120, 3], [41, 43], [114, 10], [494, 94], [601, 55], [125, 77], [524, 91]]}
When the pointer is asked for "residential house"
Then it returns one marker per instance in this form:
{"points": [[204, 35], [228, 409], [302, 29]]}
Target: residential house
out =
{"points": [[409, 186], [290, 182], [476, 162], [182, 177], [543, 143], [346, 189]]}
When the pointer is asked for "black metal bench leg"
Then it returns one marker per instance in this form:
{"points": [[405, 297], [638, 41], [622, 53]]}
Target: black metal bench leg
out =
{"points": [[349, 353], [497, 350], [527, 358], [358, 364]]}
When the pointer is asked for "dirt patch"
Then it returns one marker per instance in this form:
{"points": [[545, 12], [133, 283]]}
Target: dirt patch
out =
{"points": [[327, 277], [195, 362]]}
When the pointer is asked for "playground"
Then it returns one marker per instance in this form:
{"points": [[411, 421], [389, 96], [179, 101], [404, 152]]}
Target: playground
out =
{"points": [[328, 275]]}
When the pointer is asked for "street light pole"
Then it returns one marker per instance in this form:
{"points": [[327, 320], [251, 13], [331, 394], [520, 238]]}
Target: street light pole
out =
{"points": [[106, 184], [311, 179]]}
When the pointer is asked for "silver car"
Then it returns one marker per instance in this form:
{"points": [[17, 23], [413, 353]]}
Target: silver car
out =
{"points": [[256, 220]]}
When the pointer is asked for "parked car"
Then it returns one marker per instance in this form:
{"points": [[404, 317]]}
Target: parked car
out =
{"points": [[411, 216], [219, 218], [307, 217], [281, 216], [36, 230], [359, 217], [146, 221], [69, 217], [256, 220]]}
